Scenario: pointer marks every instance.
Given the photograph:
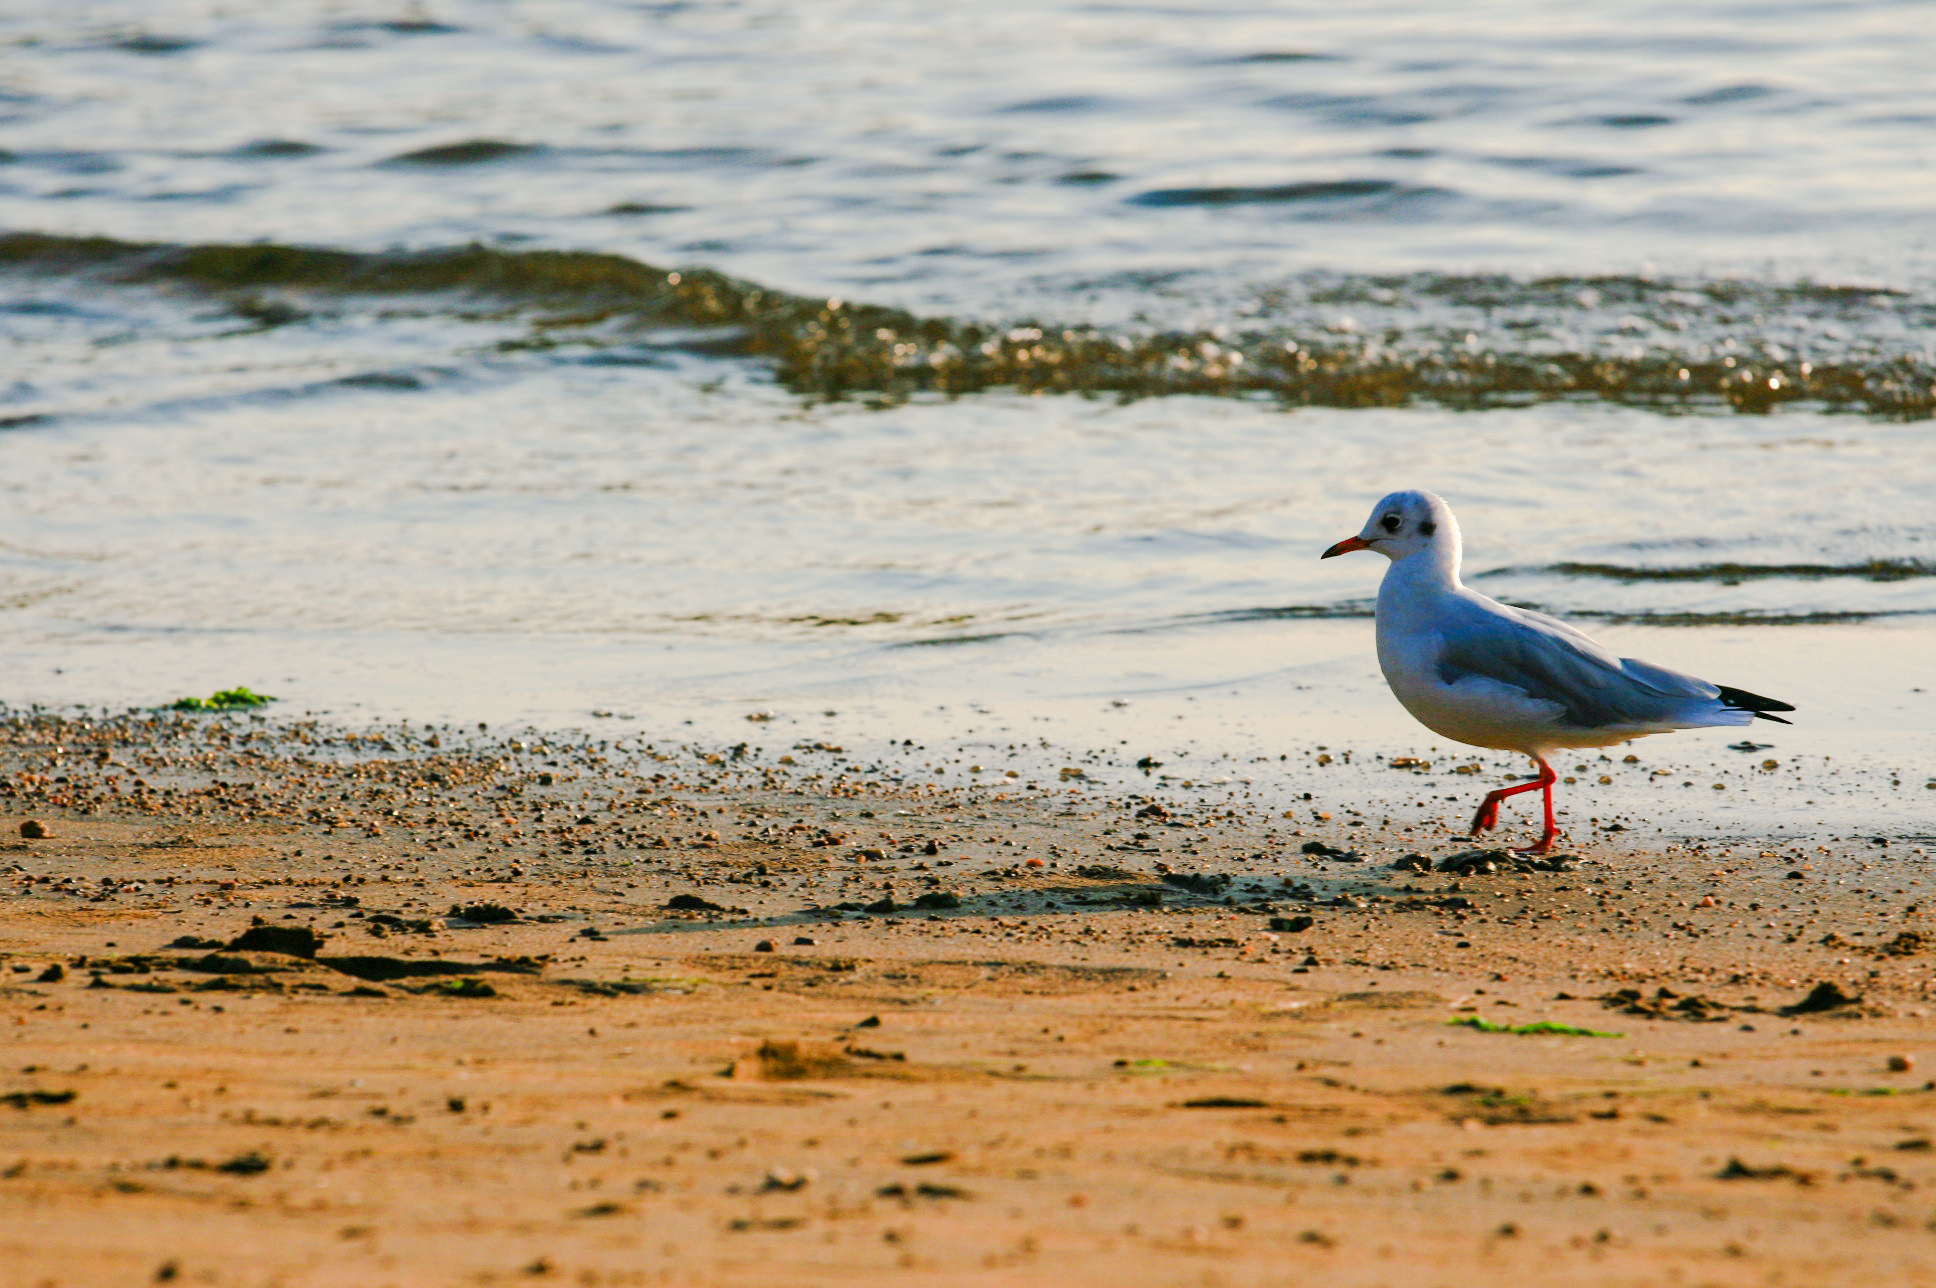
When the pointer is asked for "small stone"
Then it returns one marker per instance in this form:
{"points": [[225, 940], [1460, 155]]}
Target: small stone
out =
{"points": [[33, 830], [1825, 996], [764, 946], [484, 914], [1901, 1063], [804, 941]]}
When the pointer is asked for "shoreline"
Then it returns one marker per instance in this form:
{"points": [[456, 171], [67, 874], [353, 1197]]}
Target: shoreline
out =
{"points": [[1137, 1035]]}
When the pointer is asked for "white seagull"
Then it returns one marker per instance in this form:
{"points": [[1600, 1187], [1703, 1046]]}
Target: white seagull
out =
{"points": [[1481, 672]]}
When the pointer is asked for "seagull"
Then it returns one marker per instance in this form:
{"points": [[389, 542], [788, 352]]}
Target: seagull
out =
{"points": [[1478, 671]]}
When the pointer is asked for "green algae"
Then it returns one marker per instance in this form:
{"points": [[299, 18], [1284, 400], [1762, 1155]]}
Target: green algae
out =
{"points": [[468, 986], [1538, 1028], [240, 698]]}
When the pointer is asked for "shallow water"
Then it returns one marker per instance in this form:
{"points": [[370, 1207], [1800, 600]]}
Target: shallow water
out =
{"points": [[541, 488]]}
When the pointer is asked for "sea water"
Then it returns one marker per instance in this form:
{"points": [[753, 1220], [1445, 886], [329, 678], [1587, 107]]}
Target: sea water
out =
{"points": [[1055, 342]]}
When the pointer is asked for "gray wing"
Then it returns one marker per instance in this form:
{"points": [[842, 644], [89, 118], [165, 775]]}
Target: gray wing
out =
{"points": [[1552, 661]]}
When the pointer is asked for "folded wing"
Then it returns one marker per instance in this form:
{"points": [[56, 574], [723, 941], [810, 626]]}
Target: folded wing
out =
{"points": [[1552, 662]]}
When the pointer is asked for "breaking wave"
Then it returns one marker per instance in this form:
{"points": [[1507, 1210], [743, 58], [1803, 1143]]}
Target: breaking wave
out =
{"points": [[1457, 341]]}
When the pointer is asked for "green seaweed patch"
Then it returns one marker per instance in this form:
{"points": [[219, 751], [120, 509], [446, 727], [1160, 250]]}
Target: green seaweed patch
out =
{"points": [[1156, 1065], [1536, 1029], [240, 698], [468, 986]]}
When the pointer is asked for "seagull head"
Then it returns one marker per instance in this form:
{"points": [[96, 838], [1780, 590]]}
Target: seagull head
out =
{"points": [[1404, 524]]}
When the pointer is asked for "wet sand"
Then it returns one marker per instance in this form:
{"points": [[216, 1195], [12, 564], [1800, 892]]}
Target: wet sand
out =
{"points": [[291, 1004]]}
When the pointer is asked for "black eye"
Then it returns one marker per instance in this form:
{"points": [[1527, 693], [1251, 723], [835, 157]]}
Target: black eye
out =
{"points": [[1428, 527], [1389, 523]]}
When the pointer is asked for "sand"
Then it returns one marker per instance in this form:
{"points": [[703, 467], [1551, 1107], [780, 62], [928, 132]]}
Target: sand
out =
{"points": [[288, 1004]]}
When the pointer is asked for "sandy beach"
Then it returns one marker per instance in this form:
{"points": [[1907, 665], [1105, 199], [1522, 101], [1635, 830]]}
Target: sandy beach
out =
{"points": [[812, 742], [297, 1005]]}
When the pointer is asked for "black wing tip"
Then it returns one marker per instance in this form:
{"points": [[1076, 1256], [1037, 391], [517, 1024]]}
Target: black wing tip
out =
{"points": [[1742, 700]]}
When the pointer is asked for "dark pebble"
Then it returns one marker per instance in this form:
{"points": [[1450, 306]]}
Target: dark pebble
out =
{"points": [[484, 913], [292, 941]]}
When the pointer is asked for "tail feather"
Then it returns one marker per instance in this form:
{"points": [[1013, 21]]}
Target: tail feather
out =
{"points": [[1742, 700]]}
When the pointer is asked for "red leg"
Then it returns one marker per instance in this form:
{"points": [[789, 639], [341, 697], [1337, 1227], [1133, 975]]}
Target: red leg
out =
{"points": [[1488, 813], [1552, 832]]}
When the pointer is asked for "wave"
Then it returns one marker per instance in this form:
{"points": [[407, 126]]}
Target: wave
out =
{"points": [[834, 348], [1644, 617], [1322, 191], [1732, 573], [1750, 617]]}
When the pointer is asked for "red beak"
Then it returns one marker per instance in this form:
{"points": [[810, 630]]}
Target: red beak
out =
{"points": [[1346, 546]]}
